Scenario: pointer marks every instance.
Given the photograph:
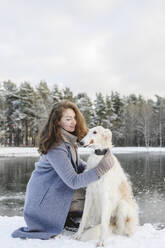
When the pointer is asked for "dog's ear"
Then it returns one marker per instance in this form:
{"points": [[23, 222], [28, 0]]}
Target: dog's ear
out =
{"points": [[108, 133]]}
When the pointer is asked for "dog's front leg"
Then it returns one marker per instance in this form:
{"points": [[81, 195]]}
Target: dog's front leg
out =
{"points": [[105, 229], [85, 217]]}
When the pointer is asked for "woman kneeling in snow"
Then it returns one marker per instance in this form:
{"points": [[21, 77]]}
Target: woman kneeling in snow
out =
{"points": [[57, 175]]}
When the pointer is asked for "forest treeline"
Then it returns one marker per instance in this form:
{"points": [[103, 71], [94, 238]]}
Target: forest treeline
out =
{"points": [[133, 120]]}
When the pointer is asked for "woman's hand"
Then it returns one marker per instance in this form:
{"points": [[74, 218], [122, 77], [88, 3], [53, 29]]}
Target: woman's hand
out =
{"points": [[106, 163]]}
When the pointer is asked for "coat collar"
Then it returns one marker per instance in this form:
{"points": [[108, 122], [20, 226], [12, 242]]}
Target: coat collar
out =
{"points": [[68, 137]]}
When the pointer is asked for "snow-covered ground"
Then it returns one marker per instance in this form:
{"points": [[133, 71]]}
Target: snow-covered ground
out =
{"points": [[146, 236], [32, 151]]}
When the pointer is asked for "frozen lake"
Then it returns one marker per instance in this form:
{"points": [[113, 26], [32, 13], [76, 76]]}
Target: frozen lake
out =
{"points": [[146, 170]]}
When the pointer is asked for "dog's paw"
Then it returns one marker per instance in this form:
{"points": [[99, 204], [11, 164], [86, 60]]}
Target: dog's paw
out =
{"points": [[100, 243], [77, 236]]}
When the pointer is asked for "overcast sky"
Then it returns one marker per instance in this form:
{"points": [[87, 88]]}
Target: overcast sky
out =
{"points": [[87, 45]]}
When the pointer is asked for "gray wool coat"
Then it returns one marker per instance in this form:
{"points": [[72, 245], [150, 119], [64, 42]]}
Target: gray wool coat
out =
{"points": [[49, 192]]}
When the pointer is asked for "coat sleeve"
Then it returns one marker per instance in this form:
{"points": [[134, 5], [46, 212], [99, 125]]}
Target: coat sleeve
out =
{"points": [[58, 158]]}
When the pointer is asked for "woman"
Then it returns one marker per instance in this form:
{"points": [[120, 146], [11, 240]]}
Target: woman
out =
{"points": [[58, 173]]}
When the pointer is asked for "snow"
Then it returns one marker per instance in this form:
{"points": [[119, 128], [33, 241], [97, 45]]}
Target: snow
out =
{"points": [[32, 151], [146, 236], [18, 152]]}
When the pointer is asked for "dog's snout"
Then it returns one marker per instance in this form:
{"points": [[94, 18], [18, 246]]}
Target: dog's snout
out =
{"points": [[81, 143]]}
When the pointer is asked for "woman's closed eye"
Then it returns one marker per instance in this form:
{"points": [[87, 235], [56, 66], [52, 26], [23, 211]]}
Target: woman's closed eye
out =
{"points": [[70, 119]]}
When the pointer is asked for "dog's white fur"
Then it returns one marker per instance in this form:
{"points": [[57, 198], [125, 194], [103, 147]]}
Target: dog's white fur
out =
{"points": [[109, 205]]}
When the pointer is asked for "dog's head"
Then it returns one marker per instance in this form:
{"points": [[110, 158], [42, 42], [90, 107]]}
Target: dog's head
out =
{"points": [[97, 137]]}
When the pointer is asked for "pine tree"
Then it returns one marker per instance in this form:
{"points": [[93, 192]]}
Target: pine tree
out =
{"points": [[110, 116], [11, 105], [44, 101], [68, 94], [117, 118], [130, 120], [56, 94], [45, 95], [144, 119], [85, 105], [27, 112], [2, 115], [100, 110]]}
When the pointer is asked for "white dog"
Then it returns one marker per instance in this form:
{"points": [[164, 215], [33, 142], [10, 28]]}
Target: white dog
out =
{"points": [[109, 205]]}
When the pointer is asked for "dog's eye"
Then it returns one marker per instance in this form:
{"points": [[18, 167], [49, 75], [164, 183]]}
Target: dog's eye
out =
{"points": [[94, 132]]}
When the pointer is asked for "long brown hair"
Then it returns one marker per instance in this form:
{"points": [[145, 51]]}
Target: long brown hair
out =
{"points": [[51, 134]]}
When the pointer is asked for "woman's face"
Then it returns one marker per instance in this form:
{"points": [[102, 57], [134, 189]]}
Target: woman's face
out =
{"points": [[68, 120]]}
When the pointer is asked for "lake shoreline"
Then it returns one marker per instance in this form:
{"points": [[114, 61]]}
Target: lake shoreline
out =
{"points": [[32, 151]]}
